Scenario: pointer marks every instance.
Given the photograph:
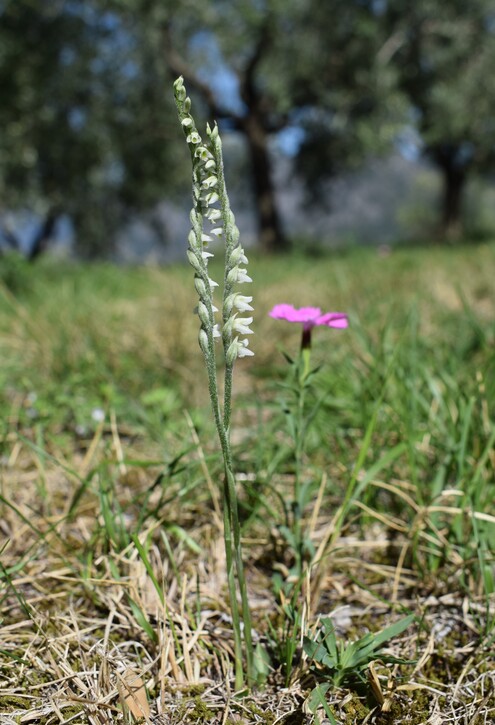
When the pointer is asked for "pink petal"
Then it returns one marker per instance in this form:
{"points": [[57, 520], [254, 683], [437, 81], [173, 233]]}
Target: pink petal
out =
{"points": [[333, 319], [292, 314], [280, 312]]}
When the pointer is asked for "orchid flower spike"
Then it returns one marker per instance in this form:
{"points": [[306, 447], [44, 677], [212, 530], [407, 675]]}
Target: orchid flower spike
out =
{"points": [[211, 204]]}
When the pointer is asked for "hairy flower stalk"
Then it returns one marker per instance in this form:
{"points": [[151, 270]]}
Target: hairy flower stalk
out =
{"points": [[211, 202]]}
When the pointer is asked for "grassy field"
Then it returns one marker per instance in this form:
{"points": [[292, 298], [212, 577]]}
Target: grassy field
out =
{"points": [[113, 595]]}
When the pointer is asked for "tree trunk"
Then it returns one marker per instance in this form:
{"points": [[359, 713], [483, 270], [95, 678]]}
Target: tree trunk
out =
{"points": [[11, 239], [271, 235], [454, 182], [43, 236]]}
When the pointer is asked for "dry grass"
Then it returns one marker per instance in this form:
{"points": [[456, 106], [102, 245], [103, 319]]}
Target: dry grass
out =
{"points": [[72, 646]]}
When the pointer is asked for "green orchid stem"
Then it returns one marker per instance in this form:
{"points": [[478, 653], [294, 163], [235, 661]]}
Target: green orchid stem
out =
{"points": [[230, 499], [233, 548]]}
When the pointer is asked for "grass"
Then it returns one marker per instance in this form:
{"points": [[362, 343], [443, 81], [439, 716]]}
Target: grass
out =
{"points": [[113, 597]]}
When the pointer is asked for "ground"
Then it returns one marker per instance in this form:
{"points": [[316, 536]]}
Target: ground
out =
{"points": [[113, 589]]}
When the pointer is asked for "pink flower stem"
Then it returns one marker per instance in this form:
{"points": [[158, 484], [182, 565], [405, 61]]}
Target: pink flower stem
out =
{"points": [[305, 352], [306, 337]]}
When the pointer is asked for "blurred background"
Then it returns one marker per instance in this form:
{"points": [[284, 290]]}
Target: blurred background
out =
{"points": [[345, 122]]}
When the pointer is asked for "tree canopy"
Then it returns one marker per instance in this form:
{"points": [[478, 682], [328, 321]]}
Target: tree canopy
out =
{"points": [[88, 123], [303, 65], [86, 119], [443, 55]]}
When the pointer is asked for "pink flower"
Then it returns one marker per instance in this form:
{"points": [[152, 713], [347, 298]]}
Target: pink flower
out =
{"points": [[309, 316]]}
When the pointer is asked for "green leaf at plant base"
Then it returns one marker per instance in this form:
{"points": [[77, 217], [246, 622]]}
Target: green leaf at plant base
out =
{"points": [[317, 699], [262, 664], [142, 620], [345, 663]]}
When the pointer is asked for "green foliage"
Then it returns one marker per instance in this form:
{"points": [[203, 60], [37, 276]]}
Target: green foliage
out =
{"points": [[14, 272], [300, 407], [88, 129], [285, 641], [65, 371], [403, 437], [442, 54], [345, 665], [84, 130], [344, 97], [87, 125]]}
